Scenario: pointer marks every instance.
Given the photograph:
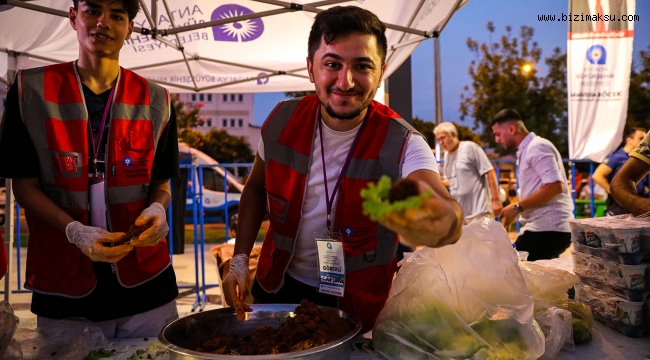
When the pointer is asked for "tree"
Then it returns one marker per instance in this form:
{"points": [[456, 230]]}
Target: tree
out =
{"points": [[226, 148], [187, 113], [425, 128], [638, 106], [217, 144], [499, 82]]}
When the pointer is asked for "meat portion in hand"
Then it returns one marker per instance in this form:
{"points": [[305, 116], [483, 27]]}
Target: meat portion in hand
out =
{"points": [[403, 189], [133, 233]]}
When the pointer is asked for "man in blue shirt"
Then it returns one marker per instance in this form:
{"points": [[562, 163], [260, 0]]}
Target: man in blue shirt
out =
{"points": [[605, 172]]}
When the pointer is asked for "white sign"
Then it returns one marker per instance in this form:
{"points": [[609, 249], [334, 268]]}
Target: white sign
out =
{"points": [[599, 61]]}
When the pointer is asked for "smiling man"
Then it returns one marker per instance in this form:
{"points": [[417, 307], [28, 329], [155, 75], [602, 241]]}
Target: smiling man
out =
{"points": [[315, 156], [90, 147]]}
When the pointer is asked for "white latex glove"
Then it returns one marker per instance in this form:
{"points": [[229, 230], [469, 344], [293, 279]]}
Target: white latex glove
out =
{"points": [[155, 218], [89, 239], [235, 285]]}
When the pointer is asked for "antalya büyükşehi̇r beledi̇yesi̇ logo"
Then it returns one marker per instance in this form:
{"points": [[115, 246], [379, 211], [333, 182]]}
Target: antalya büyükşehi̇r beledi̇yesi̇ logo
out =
{"points": [[239, 31], [597, 55]]}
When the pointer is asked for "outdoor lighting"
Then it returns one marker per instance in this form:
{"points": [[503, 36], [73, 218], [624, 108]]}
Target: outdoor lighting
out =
{"points": [[527, 68]]}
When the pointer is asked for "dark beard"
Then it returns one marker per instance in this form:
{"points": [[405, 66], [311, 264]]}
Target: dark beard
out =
{"points": [[346, 116]]}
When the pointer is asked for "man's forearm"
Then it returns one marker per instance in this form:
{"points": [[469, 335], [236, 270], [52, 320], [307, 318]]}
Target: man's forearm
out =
{"points": [[623, 187], [492, 182], [542, 196], [600, 176], [31, 197], [160, 191], [251, 209]]}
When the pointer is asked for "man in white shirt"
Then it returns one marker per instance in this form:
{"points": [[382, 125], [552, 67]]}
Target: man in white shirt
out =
{"points": [[545, 207], [469, 175]]}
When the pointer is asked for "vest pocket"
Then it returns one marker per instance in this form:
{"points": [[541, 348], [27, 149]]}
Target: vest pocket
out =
{"points": [[359, 233], [278, 208], [133, 152]]}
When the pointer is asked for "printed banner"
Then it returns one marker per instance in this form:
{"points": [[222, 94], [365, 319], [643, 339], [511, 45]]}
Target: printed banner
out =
{"points": [[599, 61], [252, 54]]}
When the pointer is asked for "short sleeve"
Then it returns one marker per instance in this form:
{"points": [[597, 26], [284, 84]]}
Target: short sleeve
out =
{"points": [[483, 164], [642, 151], [260, 148], [418, 156], [165, 161], [18, 157]]}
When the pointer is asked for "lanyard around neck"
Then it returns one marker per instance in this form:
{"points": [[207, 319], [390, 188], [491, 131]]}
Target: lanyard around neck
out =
{"points": [[96, 142], [330, 200]]}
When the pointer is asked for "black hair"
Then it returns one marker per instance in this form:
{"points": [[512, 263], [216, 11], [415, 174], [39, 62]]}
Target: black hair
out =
{"points": [[630, 131], [343, 20], [506, 115], [131, 6]]}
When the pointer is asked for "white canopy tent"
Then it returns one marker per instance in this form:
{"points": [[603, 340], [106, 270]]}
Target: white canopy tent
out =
{"points": [[214, 45], [211, 46]]}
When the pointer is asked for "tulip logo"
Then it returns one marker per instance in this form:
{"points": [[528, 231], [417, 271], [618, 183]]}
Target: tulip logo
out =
{"points": [[239, 31], [597, 55]]}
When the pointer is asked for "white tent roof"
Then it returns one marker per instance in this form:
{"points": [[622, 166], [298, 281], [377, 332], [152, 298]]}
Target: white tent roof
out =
{"points": [[225, 46]]}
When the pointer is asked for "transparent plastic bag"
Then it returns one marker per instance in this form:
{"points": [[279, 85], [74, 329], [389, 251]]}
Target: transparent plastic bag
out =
{"points": [[549, 287], [8, 325], [61, 340], [547, 284], [468, 300], [556, 324]]}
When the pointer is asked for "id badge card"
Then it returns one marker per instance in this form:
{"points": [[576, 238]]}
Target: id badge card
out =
{"points": [[96, 190], [331, 264]]}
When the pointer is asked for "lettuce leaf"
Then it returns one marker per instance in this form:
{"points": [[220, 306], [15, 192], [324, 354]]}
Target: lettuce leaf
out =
{"points": [[376, 204]]}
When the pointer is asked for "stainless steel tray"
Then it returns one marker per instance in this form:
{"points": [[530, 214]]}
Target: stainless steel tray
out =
{"points": [[184, 334]]}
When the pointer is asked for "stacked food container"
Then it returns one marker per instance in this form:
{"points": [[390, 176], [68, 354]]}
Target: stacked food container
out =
{"points": [[611, 256]]}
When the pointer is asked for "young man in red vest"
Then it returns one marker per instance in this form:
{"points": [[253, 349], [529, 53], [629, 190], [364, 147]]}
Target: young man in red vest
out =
{"points": [[315, 156], [90, 147]]}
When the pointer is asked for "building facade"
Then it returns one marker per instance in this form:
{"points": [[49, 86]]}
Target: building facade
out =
{"points": [[230, 112]]}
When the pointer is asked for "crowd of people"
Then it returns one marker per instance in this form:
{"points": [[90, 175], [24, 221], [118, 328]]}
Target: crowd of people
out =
{"points": [[90, 147]]}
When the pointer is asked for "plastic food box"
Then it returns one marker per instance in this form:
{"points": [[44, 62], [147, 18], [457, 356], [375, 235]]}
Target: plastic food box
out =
{"points": [[628, 317], [631, 277], [621, 234]]}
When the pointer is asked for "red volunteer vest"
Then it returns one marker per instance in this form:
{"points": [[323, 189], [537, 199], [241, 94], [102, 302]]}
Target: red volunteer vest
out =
{"points": [[53, 109], [369, 248]]}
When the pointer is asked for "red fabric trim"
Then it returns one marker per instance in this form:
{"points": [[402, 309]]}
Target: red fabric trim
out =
{"points": [[61, 76], [133, 89]]}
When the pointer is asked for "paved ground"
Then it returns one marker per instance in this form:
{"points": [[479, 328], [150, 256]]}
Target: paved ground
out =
{"points": [[185, 276]]}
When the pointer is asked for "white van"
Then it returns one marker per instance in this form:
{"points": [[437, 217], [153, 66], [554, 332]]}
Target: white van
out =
{"points": [[214, 199]]}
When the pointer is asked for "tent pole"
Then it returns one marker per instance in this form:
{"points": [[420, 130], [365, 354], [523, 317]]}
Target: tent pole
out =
{"points": [[43, 9], [178, 41], [154, 16], [437, 81], [12, 61]]}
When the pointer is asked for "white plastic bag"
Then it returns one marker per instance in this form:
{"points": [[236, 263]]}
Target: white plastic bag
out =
{"points": [[468, 300], [556, 324], [62, 340]]}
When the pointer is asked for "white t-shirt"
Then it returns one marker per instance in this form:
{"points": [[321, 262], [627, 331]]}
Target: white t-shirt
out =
{"points": [[466, 169], [304, 264]]}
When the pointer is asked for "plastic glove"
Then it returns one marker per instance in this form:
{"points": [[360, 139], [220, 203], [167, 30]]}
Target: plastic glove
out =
{"points": [[89, 239], [155, 218], [235, 285]]}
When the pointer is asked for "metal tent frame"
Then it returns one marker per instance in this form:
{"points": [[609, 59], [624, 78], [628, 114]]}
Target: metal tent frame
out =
{"points": [[151, 12]]}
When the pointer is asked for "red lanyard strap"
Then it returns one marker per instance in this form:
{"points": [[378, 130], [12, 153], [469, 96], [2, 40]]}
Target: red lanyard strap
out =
{"points": [[330, 200]]}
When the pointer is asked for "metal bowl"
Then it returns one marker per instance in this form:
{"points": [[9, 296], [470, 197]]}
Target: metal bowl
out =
{"points": [[183, 335]]}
